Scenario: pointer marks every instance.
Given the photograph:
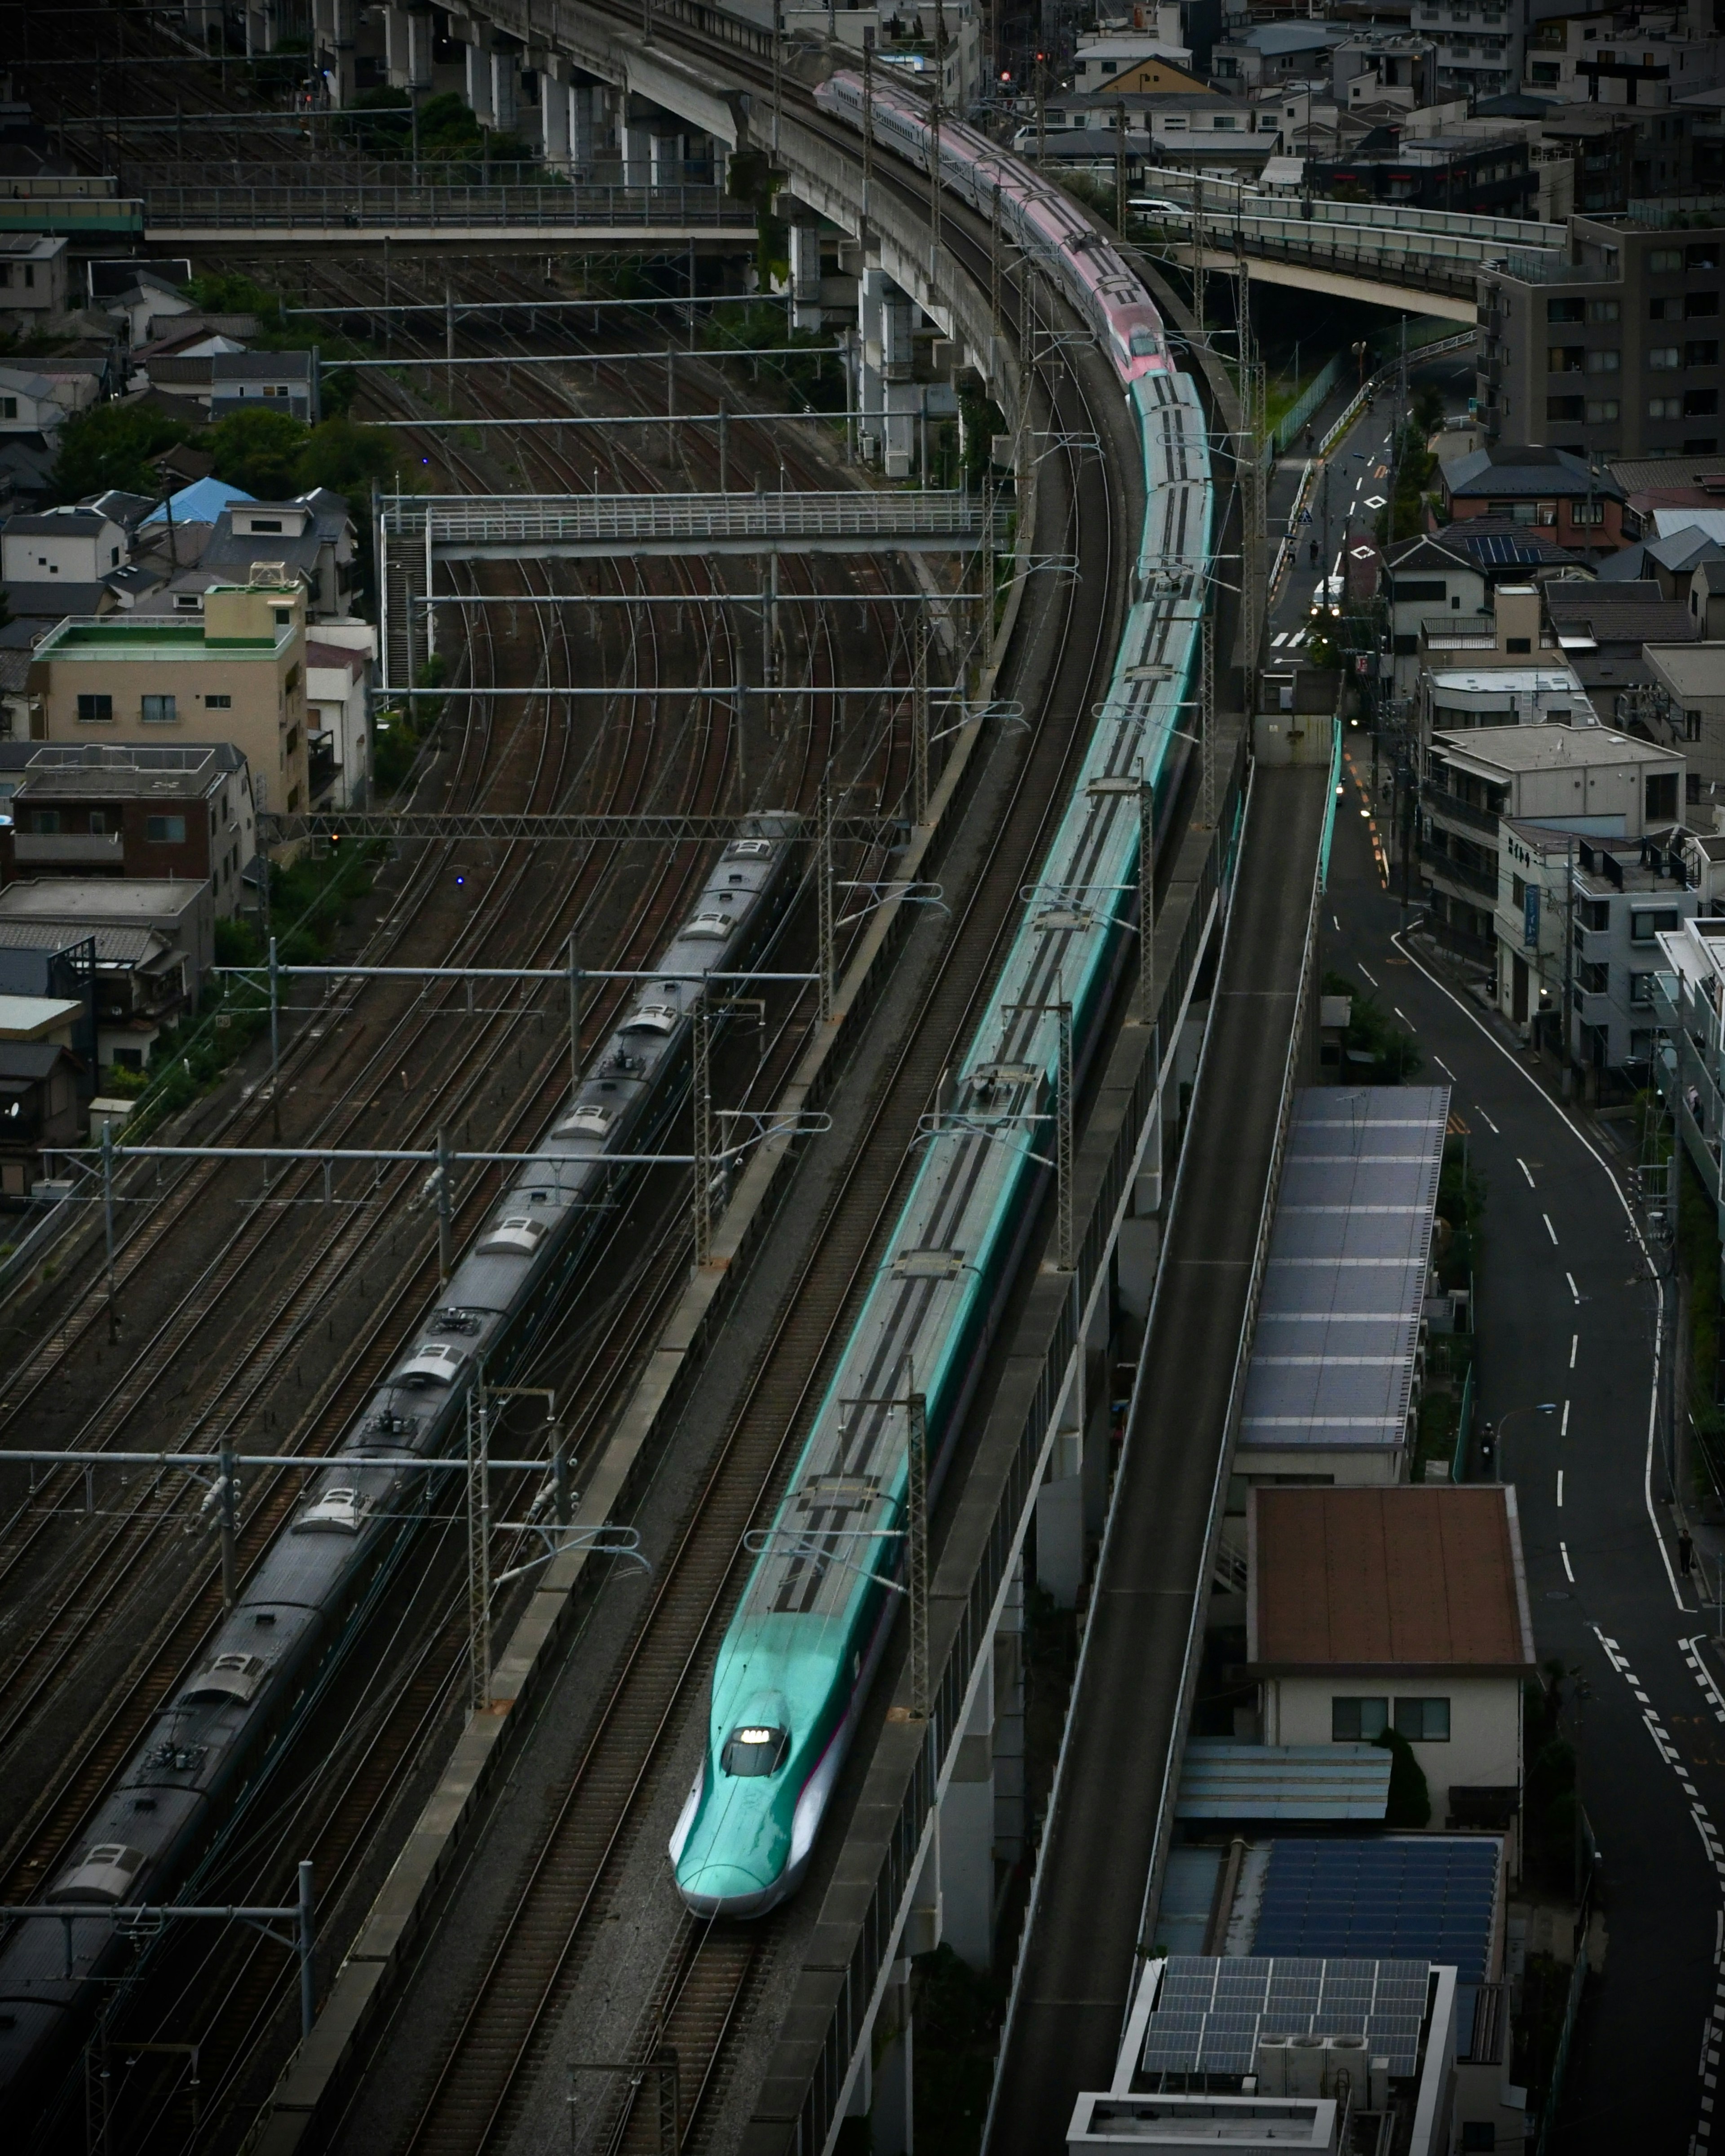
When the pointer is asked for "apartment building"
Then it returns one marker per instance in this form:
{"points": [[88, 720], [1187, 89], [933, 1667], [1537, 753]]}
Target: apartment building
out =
{"points": [[1589, 780], [238, 675], [129, 809], [1612, 351]]}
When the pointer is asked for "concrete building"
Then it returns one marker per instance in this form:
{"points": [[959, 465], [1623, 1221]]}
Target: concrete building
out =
{"points": [[1588, 780], [69, 545], [1395, 1608], [155, 940], [238, 675], [40, 1072], [134, 811], [1558, 492], [1613, 350], [1687, 686], [33, 279], [1457, 698], [339, 657]]}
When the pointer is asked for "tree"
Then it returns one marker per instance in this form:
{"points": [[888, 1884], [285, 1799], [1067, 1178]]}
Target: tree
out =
{"points": [[259, 451], [1409, 1799], [346, 456], [111, 445]]}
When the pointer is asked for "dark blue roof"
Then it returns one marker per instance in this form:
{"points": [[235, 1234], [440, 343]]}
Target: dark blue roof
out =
{"points": [[1417, 1899]]}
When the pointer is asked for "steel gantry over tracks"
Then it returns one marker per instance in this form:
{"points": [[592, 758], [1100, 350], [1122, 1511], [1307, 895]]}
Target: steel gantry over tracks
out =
{"points": [[514, 528]]}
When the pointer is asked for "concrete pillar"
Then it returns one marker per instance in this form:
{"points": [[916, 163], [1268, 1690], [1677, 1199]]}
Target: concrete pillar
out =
{"points": [[478, 62], [892, 2131], [407, 45], [505, 91], [665, 160], [556, 101], [871, 287], [636, 155], [1009, 1818], [586, 123], [966, 1835], [805, 275], [1060, 1502]]}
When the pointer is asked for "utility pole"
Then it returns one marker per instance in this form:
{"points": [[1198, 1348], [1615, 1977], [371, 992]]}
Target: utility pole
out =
{"points": [[823, 896], [702, 1148], [1207, 715], [919, 719], [1569, 963], [228, 1513], [1041, 100], [1120, 168], [868, 170], [443, 1209], [1197, 291]]}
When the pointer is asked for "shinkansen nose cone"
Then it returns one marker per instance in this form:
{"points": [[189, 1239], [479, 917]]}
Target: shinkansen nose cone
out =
{"points": [[727, 1890]]}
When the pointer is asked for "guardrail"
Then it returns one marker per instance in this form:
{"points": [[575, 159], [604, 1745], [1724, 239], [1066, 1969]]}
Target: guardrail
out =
{"points": [[333, 209], [1326, 209]]}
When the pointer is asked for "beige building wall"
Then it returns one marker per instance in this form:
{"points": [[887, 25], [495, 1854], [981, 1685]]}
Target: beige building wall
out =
{"points": [[238, 675], [1484, 1748]]}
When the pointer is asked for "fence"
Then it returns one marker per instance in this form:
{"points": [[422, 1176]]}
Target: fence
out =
{"points": [[334, 208], [1298, 412]]}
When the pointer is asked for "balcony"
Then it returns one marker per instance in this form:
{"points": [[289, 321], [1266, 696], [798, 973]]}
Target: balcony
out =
{"points": [[1442, 802], [1454, 632], [66, 850], [1461, 877]]}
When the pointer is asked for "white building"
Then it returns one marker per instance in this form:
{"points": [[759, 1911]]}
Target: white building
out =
{"points": [[72, 544], [1404, 1609], [339, 656], [32, 275]]}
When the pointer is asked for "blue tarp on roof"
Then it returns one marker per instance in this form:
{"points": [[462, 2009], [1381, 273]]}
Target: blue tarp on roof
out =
{"points": [[1222, 1780], [201, 503]]}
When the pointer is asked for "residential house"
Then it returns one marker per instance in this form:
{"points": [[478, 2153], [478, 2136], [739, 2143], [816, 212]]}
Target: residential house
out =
{"points": [[28, 402], [179, 361], [152, 940], [285, 380], [32, 278], [40, 1072], [1515, 629], [1117, 62], [1580, 505], [1251, 56], [220, 535], [71, 545], [339, 659], [1579, 919], [1589, 780], [1687, 686], [1401, 1607], [237, 674], [1455, 697], [133, 810], [1601, 626]]}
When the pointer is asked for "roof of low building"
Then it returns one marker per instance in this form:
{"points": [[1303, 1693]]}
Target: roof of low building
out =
{"points": [[125, 773], [1495, 542], [201, 503], [99, 898], [1509, 470], [57, 523], [115, 945], [1630, 613], [1692, 670], [1550, 747], [34, 1017], [1424, 551], [1224, 1779], [1408, 1577], [50, 599], [262, 367]]}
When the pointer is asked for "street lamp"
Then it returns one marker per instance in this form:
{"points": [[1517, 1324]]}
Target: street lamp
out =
{"points": [[1489, 1433]]}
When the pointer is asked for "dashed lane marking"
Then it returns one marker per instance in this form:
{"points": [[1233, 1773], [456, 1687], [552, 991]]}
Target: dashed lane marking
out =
{"points": [[1549, 1230], [1490, 1125], [1569, 1568], [1574, 1290], [1526, 1170]]}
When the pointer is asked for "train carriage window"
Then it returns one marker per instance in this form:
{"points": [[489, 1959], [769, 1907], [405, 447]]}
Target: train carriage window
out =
{"points": [[755, 1748]]}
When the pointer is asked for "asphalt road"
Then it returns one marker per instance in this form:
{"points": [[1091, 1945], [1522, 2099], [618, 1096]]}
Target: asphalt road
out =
{"points": [[1565, 1315]]}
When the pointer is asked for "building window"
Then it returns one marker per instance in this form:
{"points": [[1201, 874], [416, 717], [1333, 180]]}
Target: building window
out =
{"points": [[293, 740], [290, 686], [1565, 408], [9, 408], [1700, 403], [159, 711], [1640, 988], [1357, 1721], [1663, 311], [98, 823], [1565, 358], [1595, 912], [266, 524], [1661, 790], [1662, 258], [45, 821], [218, 703], [1696, 304], [292, 807], [1599, 411], [1423, 1720], [1692, 726], [165, 830], [1602, 310], [284, 616], [1644, 926], [1702, 352], [95, 711], [1563, 310], [1661, 357], [1606, 361], [1665, 408], [1515, 644]]}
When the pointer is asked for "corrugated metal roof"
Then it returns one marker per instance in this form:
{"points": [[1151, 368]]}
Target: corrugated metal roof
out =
{"points": [[1338, 1329], [1224, 1780], [114, 946]]}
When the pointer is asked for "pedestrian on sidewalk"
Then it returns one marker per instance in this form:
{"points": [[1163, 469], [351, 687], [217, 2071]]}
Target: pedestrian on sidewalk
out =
{"points": [[1685, 1552]]}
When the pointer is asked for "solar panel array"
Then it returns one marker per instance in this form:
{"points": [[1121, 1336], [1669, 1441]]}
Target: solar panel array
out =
{"points": [[1433, 1898], [1211, 2012]]}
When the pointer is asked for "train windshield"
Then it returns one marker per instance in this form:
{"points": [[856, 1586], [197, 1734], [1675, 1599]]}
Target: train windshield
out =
{"points": [[755, 1748]]}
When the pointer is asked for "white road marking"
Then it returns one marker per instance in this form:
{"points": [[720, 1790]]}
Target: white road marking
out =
{"points": [[1368, 977], [1568, 1569], [1573, 1290], [1335, 924], [1560, 1489], [1574, 1343], [1549, 1230], [1403, 1016], [1526, 1170], [1490, 1125], [1277, 642], [1563, 1431], [1444, 1068]]}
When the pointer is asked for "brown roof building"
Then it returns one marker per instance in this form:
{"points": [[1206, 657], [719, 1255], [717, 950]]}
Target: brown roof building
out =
{"points": [[1399, 1609]]}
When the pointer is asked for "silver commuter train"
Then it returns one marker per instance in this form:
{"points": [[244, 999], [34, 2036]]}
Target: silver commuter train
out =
{"points": [[261, 1671]]}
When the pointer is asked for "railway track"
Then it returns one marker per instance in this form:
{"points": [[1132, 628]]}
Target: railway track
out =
{"points": [[511, 2026]]}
